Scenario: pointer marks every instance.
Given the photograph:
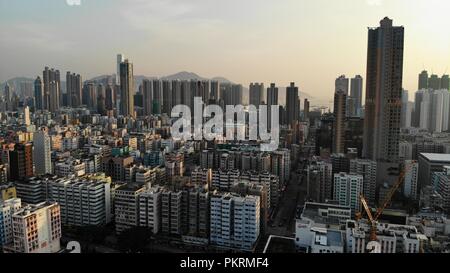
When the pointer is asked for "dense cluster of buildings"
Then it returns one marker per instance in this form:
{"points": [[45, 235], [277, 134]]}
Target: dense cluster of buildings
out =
{"points": [[100, 152]]}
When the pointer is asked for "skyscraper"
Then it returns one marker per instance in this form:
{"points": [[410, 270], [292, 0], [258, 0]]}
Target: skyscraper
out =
{"points": [[101, 99], [74, 87], [110, 97], [306, 110], [54, 96], [236, 94], [147, 91], [292, 104], [215, 91], [340, 106], [434, 82], [42, 152], [272, 99], [157, 97], [417, 107], [256, 94], [423, 80], [342, 84], [52, 89], [120, 59], [445, 82], [8, 97], [38, 94], [406, 113], [167, 97], [383, 92], [356, 92], [127, 88]]}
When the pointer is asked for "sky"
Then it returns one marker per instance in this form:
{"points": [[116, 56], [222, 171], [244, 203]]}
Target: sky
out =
{"points": [[310, 42]]}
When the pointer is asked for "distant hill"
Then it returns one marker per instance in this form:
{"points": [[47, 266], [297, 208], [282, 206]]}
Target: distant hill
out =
{"points": [[184, 76]]}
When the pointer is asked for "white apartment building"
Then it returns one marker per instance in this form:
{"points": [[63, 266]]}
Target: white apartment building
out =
{"points": [[150, 209], [37, 229], [311, 237], [392, 238], [7, 210], [83, 201], [234, 221], [347, 190], [70, 167]]}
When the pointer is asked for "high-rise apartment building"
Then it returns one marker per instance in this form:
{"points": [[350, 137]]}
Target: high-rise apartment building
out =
{"points": [[54, 96], [272, 99], [215, 89], [21, 162], [39, 94], [434, 82], [126, 207], [7, 210], [340, 110], [319, 179], [306, 106], [356, 93], [52, 89], [157, 97], [127, 88], [445, 82], [256, 94], [383, 92], [83, 201], [147, 91], [441, 181], [150, 209], [292, 104], [42, 154], [347, 190], [120, 59], [423, 80], [410, 188], [74, 86], [167, 97], [235, 221], [342, 84], [368, 170]]}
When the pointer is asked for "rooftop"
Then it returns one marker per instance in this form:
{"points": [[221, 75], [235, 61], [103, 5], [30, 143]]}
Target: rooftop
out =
{"points": [[436, 157]]}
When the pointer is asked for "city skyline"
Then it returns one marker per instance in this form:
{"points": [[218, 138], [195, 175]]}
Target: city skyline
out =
{"points": [[183, 36]]}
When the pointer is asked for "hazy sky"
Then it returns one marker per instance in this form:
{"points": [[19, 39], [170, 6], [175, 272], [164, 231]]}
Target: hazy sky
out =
{"points": [[310, 42]]}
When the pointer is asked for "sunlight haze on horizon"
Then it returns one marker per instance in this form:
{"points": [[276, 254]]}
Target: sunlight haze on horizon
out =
{"points": [[310, 42]]}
